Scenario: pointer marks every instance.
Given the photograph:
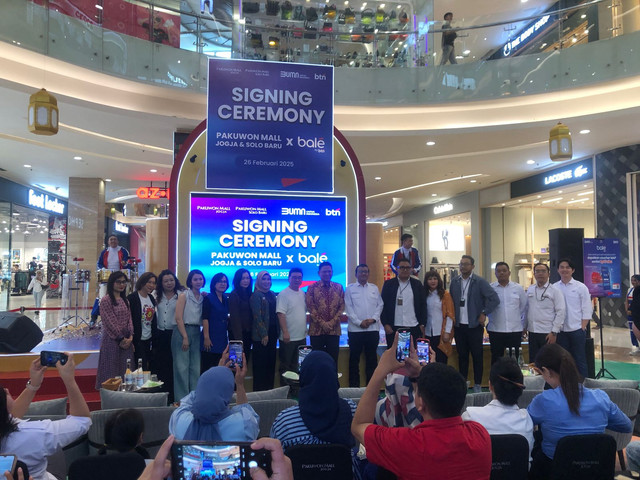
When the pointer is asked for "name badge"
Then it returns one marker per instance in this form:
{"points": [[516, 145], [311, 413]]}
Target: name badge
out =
{"points": [[399, 301], [462, 302]]}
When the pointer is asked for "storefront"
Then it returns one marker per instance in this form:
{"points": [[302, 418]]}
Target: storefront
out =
{"points": [[33, 235], [516, 229]]}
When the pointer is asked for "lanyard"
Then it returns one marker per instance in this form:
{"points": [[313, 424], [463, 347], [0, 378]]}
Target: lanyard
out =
{"points": [[543, 292]]}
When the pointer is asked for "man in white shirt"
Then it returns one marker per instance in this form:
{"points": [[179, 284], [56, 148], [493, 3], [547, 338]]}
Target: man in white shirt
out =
{"points": [[292, 315], [363, 304], [505, 322], [577, 298], [546, 310], [405, 304]]}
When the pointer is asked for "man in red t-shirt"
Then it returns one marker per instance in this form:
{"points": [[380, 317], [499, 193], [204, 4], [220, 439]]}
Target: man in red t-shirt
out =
{"points": [[443, 446]]}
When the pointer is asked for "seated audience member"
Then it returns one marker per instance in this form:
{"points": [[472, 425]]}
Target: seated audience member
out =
{"points": [[32, 440], [443, 444], [633, 456], [123, 433], [204, 414], [398, 408], [568, 408], [321, 416], [502, 415], [281, 469]]}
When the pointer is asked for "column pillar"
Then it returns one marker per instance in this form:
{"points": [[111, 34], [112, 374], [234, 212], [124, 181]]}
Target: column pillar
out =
{"points": [[157, 249], [85, 231], [375, 253]]}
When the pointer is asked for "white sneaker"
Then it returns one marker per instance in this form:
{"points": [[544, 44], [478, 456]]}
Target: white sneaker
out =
{"points": [[634, 351]]}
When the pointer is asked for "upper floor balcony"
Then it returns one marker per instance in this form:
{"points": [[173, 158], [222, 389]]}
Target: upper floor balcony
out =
{"points": [[390, 54]]}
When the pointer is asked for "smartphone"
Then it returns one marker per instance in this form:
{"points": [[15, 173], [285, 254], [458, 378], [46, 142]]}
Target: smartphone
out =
{"points": [[216, 460], [422, 347], [303, 351], [235, 353], [404, 344], [49, 359], [8, 463]]}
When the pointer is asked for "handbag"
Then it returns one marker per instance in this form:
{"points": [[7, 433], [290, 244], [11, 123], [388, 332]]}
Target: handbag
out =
{"points": [[403, 18], [366, 17], [286, 11], [298, 12], [273, 7], [310, 32], [311, 14], [330, 11], [349, 16], [256, 40], [380, 15]]}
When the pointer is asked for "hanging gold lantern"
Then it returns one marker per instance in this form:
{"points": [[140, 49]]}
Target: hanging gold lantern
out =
{"points": [[43, 113], [560, 147]]}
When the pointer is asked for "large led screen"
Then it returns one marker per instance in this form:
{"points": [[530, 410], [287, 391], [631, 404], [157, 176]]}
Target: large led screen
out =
{"points": [[268, 233]]}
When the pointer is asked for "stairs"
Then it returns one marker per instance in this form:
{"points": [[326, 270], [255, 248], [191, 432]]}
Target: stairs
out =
{"points": [[52, 386]]}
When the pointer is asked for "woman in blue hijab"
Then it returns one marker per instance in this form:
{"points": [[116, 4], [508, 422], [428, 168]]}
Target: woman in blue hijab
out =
{"points": [[205, 414], [321, 416]]}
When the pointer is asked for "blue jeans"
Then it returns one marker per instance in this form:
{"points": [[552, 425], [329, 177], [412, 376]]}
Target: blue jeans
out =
{"points": [[574, 342], [186, 364], [37, 297]]}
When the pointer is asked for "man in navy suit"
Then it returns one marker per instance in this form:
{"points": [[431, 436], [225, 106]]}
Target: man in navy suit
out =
{"points": [[473, 299]]}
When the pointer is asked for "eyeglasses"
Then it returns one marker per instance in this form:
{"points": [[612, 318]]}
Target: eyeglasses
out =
{"points": [[464, 264], [404, 268], [121, 282]]}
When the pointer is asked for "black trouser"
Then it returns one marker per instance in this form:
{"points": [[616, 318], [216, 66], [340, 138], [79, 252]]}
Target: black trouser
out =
{"points": [[540, 466], [289, 356], [416, 333], [142, 349], [208, 360], [434, 341], [327, 343], [163, 361], [536, 342], [501, 340], [469, 340], [359, 341], [247, 342], [264, 364]]}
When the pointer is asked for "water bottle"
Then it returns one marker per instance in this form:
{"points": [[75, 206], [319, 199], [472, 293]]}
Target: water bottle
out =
{"points": [[521, 360], [128, 376], [139, 374]]}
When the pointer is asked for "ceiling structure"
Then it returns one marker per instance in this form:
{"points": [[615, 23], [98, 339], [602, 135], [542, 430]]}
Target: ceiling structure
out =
{"points": [[123, 130]]}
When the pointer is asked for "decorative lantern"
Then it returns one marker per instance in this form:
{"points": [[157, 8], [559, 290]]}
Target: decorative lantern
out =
{"points": [[43, 113], [560, 147]]}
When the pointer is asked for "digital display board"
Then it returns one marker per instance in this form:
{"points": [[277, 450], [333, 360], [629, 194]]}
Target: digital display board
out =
{"points": [[270, 126], [602, 275], [260, 232]]}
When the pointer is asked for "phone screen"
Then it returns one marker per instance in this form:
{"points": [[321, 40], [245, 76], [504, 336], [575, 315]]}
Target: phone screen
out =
{"points": [[235, 353], [404, 344], [7, 462], [303, 351], [217, 461], [49, 359], [423, 351]]}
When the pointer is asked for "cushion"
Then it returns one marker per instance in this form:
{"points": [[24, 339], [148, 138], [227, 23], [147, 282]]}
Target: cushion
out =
{"points": [[351, 392], [111, 399], [57, 406], [602, 383], [276, 393]]}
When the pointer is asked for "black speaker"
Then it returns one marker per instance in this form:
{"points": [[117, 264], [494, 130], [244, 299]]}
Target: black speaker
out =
{"points": [[566, 243], [18, 334]]}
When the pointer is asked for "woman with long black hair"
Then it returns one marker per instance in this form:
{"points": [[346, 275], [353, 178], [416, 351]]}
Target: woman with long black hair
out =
{"points": [[568, 408], [143, 316], [266, 329], [117, 330], [240, 318], [167, 292]]}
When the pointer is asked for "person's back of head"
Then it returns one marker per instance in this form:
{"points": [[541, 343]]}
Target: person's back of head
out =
{"points": [[558, 360], [506, 380], [442, 390], [123, 430]]}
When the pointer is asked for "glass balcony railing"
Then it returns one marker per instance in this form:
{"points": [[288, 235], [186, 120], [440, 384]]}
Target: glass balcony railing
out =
{"points": [[383, 56]]}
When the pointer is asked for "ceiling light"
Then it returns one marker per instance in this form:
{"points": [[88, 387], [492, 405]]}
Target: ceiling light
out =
{"points": [[574, 40], [153, 170], [584, 15], [377, 178], [530, 162], [585, 193], [539, 196], [466, 52], [579, 200], [585, 131], [77, 157], [552, 200], [431, 143], [42, 117], [472, 181], [434, 194], [99, 7], [16, 213], [382, 5], [107, 179], [503, 204], [519, 201], [26, 166], [413, 187], [586, 31], [559, 191]]}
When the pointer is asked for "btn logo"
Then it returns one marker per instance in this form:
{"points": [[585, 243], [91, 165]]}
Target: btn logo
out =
{"points": [[332, 213]]}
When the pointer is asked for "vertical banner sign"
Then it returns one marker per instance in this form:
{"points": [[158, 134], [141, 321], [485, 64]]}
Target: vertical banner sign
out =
{"points": [[270, 126], [268, 233], [602, 274]]}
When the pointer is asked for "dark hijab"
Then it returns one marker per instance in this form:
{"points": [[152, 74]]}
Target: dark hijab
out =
{"points": [[324, 413]]}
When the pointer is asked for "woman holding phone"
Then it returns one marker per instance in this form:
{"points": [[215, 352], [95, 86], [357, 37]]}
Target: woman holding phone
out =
{"points": [[240, 317], [265, 332], [440, 316], [215, 322], [185, 342], [116, 346]]}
